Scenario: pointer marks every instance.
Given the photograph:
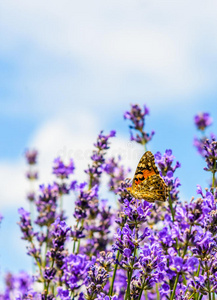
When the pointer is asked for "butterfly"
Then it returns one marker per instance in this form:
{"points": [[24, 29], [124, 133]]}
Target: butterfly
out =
{"points": [[147, 182]]}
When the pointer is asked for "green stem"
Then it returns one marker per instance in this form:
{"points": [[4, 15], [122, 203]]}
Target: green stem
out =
{"points": [[198, 270], [157, 291], [114, 274], [45, 251], [186, 245], [73, 251], [143, 140], [79, 241], [175, 285], [129, 276], [130, 273], [145, 147], [171, 208], [197, 275], [90, 182], [210, 297], [38, 264], [191, 295], [173, 217], [213, 174], [78, 246], [140, 294], [177, 276], [48, 283], [201, 296]]}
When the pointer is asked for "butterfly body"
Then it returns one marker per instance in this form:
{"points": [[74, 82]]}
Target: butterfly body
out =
{"points": [[147, 182]]}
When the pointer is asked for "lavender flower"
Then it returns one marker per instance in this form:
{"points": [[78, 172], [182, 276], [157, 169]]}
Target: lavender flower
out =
{"points": [[137, 116], [31, 174], [25, 225], [159, 251], [202, 121], [210, 148], [31, 156], [102, 296], [75, 269], [61, 170], [199, 144], [151, 266], [16, 286], [95, 170], [47, 205], [116, 172], [59, 233], [164, 163], [96, 280]]}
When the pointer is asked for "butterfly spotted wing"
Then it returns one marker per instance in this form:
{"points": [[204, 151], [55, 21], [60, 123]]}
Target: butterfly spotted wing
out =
{"points": [[147, 182]]}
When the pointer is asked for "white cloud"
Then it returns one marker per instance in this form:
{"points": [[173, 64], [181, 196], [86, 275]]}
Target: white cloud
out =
{"points": [[60, 137], [13, 185], [159, 40]]}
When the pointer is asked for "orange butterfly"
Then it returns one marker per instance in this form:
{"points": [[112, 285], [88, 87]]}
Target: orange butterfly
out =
{"points": [[147, 182]]}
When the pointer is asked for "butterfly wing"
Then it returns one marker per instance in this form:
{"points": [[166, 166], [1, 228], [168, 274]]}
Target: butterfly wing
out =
{"points": [[147, 182], [146, 167], [152, 189]]}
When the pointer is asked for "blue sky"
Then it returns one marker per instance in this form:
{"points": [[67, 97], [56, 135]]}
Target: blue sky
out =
{"points": [[69, 69]]}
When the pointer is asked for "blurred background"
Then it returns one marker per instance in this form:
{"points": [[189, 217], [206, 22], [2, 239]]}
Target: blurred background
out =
{"points": [[69, 69]]}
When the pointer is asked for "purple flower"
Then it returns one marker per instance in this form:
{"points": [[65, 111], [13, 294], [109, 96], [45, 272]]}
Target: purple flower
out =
{"points": [[210, 147], [165, 162], [17, 286], [44, 296], [25, 225], [49, 273], [204, 244], [75, 269], [165, 237], [63, 294], [164, 290], [102, 296], [137, 212], [116, 172], [96, 280], [62, 170], [202, 121], [198, 283], [151, 266], [85, 201], [31, 196], [31, 156], [47, 204], [192, 264], [199, 144], [32, 175], [59, 233], [158, 250], [177, 263], [137, 116], [28, 296], [95, 170]]}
